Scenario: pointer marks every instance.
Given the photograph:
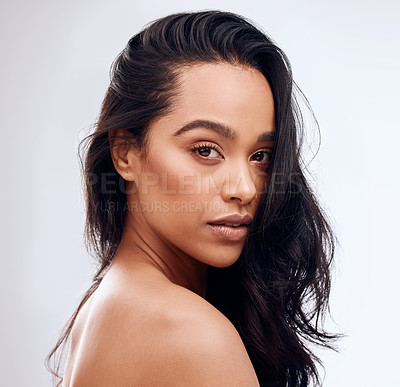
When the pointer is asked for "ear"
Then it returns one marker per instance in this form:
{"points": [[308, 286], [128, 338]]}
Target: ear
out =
{"points": [[124, 154]]}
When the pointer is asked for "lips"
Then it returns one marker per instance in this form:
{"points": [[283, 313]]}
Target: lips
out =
{"points": [[234, 220], [233, 227]]}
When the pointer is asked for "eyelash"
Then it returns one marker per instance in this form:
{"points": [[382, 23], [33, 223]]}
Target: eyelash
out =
{"points": [[195, 148]]}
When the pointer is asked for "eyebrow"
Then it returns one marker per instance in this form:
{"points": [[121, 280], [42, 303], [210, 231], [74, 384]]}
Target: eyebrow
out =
{"points": [[220, 129]]}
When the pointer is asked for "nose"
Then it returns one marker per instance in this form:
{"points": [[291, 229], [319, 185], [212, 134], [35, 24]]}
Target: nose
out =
{"points": [[239, 185]]}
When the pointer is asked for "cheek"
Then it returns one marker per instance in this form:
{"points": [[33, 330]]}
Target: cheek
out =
{"points": [[175, 176], [261, 179], [160, 176]]}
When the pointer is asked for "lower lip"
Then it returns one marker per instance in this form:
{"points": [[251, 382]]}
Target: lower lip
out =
{"points": [[228, 232]]}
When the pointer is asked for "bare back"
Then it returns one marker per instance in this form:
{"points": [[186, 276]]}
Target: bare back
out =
{"points": [[138, 328]]}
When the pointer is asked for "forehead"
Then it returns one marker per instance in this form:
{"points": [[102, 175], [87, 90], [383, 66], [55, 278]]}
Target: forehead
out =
{"points": [[232, 95], [232, 92]]}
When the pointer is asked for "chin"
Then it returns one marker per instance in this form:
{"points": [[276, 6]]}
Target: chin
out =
{"points": [[224, 260]]}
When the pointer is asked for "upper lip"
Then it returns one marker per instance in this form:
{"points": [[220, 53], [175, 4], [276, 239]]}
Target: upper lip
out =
{"points": [[234, 219]]}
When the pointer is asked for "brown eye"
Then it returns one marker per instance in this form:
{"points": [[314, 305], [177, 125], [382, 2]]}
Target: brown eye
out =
{"points": [[204, 151], [207, 151], [261, 156]]}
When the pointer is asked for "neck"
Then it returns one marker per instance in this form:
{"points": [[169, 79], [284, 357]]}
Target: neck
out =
{"points": [[139, 244]]}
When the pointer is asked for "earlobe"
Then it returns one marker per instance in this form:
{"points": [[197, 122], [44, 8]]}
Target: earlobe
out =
{"points": [[122, 150]]}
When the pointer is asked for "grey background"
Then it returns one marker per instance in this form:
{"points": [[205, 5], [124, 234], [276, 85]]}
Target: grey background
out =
{"points": [[55, 58]]}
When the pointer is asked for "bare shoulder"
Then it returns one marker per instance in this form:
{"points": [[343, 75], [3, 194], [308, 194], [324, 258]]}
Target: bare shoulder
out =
{"points": [[158, 335], [202, 348]]}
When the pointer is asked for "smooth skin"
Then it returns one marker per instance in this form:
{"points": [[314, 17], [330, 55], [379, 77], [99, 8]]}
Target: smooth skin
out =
{"points": [[148, 323]]}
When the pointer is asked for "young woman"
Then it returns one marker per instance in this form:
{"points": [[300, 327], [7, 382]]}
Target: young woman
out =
{"points": [[213, 252]]}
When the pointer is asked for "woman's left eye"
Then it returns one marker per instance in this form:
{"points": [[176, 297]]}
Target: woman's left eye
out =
{"points": [[262, 157]]}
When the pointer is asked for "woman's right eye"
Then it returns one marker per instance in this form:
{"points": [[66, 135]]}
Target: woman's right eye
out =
{"points": [[208, 151]]}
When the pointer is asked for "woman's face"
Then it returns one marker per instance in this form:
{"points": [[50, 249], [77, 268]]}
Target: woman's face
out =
{"points": [[206, 160]]}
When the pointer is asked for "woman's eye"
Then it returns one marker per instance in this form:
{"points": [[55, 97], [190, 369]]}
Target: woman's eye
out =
{"points": [[262, 156], [208, 152], [205, 152]]}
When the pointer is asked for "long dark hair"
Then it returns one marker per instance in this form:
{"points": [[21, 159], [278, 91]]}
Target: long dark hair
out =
{"points": [[276, 294]]}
